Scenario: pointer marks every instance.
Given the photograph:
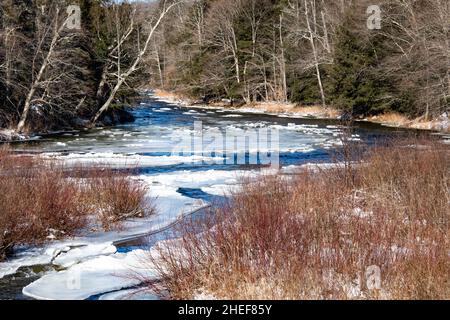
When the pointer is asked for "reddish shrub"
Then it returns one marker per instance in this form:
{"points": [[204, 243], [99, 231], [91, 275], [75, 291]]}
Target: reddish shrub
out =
{"points": [[40, 199], [117, 197], [314, 234]]}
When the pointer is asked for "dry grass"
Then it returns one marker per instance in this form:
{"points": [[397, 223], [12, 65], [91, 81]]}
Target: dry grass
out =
{"points": [[399, 120], [391, 118], [35, 200], [169, 95], [280, 107], [273, 107], [40, 200], [117, 197], [312, 236]]}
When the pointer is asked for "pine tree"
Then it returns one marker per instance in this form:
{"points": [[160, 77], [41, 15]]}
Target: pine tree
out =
{"points": [[355, 85]]}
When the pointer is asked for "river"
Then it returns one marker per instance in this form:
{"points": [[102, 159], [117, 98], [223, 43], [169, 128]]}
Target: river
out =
{"points": [[177, 181]]}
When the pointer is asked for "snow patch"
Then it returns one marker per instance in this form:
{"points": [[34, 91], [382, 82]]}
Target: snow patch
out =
{"points": [[77, 255], [102, 274]]}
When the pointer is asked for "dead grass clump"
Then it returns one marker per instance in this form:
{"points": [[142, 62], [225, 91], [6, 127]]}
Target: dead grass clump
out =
{"points": [[318, 111], [391, 118], [384, 234], [36, 202], [117, 197], [41, 200]]}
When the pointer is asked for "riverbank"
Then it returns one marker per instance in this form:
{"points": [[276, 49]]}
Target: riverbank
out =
{"points": [[440, 124], [112, 117], [42, 200], [369, 229]]}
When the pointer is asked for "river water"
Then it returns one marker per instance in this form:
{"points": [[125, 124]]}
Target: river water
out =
{"points": [[148, 144]]}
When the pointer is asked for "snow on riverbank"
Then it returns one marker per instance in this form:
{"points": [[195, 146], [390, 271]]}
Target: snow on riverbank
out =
{"points": [[273, 108], [25, 258], [113, 277], [129, 294], [95, 276], [93, 265], [170, 204]]}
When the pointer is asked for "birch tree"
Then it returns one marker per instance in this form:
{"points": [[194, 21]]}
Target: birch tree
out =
{"points": [[309, 24], [123, 75], [222, 32]]}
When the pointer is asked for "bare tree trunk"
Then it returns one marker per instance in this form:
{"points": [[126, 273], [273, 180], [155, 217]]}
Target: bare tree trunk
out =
{"points": [[236, 58], [8, 62], [247, 97], [102, 83], [316, 56], [443, 14], [199, 21], [37, 81], [160, 71], [282, 61], [122, 77], [325, 33]]}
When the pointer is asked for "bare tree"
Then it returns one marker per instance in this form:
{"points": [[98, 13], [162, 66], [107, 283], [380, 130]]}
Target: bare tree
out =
{"points": [[56, 28], [197, 19], [307, 26], [222, 32], [122, 33], [419, 33], [122, 76]]}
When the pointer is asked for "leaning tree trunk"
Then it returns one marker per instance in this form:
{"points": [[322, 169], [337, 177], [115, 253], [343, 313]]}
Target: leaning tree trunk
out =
{"points": [[37, 81], [122, 77], [316, 57]]}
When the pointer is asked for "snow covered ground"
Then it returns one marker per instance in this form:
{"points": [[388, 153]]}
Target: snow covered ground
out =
{"points": [[93, 266], [95, 276]]}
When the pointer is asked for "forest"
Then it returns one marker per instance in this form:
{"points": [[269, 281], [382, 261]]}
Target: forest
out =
{"points": [[311, 52], [70, 64], [350, 55]]}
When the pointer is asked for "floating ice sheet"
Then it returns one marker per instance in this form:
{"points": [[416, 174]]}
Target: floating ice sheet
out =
{"points": [[95, 276]]}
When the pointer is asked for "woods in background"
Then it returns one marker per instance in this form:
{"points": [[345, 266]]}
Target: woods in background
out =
{"points": [[67, 64], [311, 52]]}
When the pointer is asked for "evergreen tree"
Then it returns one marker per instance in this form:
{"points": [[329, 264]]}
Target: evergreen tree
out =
{"points": [[355, 85]]}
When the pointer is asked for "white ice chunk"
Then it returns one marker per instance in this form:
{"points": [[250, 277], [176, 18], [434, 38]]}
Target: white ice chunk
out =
{"points": [[127, 160], [96, 276], [77, 255], [28, 258]]}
